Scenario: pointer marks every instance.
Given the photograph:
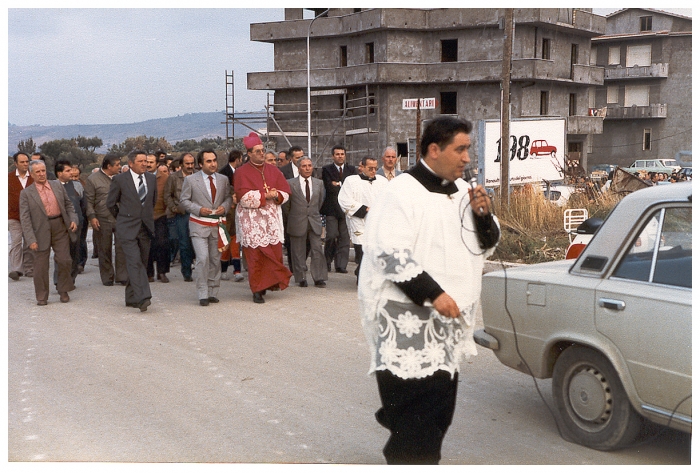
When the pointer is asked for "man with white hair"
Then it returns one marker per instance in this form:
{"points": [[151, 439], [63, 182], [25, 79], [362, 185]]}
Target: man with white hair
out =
{"points": [[388, 168]]}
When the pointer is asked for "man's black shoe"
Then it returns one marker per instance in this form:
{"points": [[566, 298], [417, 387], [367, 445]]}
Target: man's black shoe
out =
{"points": [[188, 279], [213, 299], [143, 305], [320, 284], [108, 283], [258, 298], [14, 275], [303, 283], [341, 270], [204, 302]]}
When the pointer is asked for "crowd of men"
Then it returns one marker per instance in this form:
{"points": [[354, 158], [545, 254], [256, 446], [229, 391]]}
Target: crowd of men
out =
{"points": [[155, 211], [418, 286]]}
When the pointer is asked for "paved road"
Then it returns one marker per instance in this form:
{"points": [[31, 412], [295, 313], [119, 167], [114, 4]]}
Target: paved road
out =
{"points": [[279, 382]]}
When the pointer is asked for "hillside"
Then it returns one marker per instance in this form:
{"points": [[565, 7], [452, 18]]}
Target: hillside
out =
{"points": [[192, 126]]}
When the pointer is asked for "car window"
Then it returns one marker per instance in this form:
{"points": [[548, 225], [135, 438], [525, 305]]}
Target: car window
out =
{"points": [[662, 252]]}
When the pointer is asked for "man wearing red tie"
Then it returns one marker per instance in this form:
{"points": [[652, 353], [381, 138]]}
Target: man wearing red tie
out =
{"points": [[206, 196]]}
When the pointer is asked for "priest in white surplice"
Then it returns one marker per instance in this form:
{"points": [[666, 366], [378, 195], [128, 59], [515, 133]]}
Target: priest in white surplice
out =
{"points": [[425, 243], [356, 197]]}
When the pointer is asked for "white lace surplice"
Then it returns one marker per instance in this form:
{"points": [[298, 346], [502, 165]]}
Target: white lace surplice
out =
{"points": [[411, 230], [258, 225]]}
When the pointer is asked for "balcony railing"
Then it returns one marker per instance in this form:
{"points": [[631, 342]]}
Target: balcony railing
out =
{"points": [[656, 110], [584, 125], [637, 72]]}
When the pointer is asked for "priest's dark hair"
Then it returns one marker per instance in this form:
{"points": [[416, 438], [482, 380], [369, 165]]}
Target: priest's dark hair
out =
{"points": [[442, 130]]}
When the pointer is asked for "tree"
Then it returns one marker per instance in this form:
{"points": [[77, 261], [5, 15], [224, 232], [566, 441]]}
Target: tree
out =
{"points": [[148, 144], [89, 144], [27, 146]]}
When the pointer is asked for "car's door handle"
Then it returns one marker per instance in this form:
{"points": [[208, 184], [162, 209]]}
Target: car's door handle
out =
{"points": [[611, 304]]}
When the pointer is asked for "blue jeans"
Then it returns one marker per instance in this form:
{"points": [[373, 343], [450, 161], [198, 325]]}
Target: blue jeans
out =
{"points": [[180, 224]]}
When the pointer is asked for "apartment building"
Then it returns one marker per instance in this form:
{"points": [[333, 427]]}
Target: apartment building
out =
{"points": [[646, 98], [365, 63]]}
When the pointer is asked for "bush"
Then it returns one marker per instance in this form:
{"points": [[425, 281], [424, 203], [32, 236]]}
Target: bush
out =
{"points": [[532, 228]]}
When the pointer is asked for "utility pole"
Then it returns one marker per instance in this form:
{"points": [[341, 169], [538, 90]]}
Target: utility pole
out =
{"points": [[505, 106], [418, 137]]}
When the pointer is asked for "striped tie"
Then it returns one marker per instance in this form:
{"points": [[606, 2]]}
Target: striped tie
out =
{"points": [[142, 190]]}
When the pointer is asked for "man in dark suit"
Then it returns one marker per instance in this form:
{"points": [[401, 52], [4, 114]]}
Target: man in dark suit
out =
{"points": [[131, 198], [291, 169], [64, 175], [48, 221], [337, 236], [304, 224], [235, 159]]}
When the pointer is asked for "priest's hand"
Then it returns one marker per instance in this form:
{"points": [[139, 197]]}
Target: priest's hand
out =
{"points": [[446, 306], [480, 202]]}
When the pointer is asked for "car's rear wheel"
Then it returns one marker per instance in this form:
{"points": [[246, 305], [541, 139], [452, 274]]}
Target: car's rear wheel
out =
{"points": [[592, 406]]}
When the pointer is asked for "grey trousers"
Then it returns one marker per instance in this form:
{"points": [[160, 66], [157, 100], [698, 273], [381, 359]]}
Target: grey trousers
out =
{"points": [[136, 253], [319, 270], [207, 267], [20, 258]]}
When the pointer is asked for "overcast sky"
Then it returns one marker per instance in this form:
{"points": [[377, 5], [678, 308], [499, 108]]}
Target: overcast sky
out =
{"points": [[97, 66]]}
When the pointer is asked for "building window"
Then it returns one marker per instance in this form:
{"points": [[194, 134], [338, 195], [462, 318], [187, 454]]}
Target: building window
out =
{"points": [[544, 102], [612, 94], [369, 53], [572, 105], [637, 95], [645, 23], [449, 50], [646, 143], [594, 56], [546, 53], [638, 55], [356, 10], [370, 102], [448, 103], [614, 55], [343, 56]]}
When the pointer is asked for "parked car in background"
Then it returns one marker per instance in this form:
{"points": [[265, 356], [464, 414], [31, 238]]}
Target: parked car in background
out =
{"points": [[688, 172], [654, 165], [613, 329]]}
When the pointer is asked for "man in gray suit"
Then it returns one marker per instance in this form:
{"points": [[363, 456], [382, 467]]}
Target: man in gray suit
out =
{"points": [[388, 168], [206, 196], [103, 223], [304, 224], [132, 195], [48, 221]]}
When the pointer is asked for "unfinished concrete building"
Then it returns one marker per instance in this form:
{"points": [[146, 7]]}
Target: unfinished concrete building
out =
{"points": [[365, 62], [646, 99]]}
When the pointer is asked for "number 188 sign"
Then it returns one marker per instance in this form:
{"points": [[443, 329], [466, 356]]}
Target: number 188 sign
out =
{"points": [[535, 150]]}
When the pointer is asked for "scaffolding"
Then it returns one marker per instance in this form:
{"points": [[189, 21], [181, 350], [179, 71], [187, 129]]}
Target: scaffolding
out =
{"points": [[246, 120], [347, 116]]}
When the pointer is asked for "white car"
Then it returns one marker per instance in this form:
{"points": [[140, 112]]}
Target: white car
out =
{"points": [[613, 329]]}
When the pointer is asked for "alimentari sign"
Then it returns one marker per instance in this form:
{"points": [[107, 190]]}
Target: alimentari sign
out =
{"points": [[535, 152]]}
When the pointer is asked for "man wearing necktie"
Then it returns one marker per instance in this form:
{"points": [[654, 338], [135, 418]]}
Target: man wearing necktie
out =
{"points": [[356, 197], [304, 224], [206, 196], [337, 237], [131, 198]]}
